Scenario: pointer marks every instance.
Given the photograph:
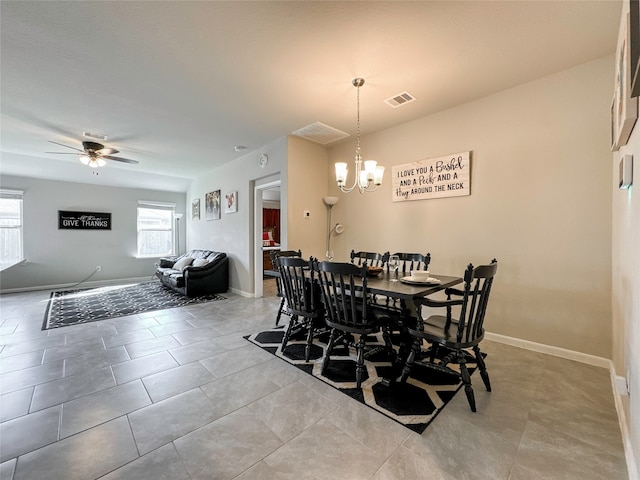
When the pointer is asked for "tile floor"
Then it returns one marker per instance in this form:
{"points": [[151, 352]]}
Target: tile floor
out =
{"points": [[179, 394]]}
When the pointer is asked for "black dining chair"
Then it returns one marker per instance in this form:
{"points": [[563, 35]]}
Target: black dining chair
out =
{"points": [[304, 305], [412, 261], [407, 262], [348, 311], [274, 254], [456, 335], [372, 259]]}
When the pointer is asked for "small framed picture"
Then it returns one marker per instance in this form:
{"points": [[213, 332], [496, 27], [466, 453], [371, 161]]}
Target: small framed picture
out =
{"points": [[231, 204], [212, 205], [195, 209]]}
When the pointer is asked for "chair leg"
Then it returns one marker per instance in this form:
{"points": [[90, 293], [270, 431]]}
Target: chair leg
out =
{"points": [[415, 351], [287, 334], [434, 352], [332, 340], [386, 335], [279, 311], [483, 368], [307, 349], [360, 361], [466, 380]]}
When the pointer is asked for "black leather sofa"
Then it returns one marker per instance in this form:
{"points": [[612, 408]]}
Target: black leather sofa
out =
{"points": [[196, 273]]}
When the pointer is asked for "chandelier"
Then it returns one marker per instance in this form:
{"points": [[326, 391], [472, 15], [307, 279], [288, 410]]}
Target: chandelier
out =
{"points": [[368, 173]]}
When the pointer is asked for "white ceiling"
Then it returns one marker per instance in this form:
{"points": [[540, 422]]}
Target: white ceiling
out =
{"points": [[176, 85]]}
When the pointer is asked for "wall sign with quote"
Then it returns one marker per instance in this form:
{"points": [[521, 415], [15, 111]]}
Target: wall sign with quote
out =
{"points": [[68, 220], [448, 176]]}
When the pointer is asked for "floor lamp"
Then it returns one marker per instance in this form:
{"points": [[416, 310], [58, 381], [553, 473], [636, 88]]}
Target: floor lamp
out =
{"points": [[178, 216], [329, 202]]}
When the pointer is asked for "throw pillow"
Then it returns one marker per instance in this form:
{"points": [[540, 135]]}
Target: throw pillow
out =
{"points": [[182, 263], [199, 262]]}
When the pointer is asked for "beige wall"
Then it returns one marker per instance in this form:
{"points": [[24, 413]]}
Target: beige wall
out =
{"points": [[625, 276], [307, 185], [540, 204]]}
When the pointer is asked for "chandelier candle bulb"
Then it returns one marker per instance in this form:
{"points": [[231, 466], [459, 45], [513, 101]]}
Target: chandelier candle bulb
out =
{"points": [[341, 173], [370, 168], [378, 174]]}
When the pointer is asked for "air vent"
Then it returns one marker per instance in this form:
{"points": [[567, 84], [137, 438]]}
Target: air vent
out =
{"points": [[400, 99], [320, 133]]}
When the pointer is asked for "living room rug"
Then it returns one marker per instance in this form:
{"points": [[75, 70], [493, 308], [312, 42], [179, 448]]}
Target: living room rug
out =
{"points": [[414, 404], [72, 307]]}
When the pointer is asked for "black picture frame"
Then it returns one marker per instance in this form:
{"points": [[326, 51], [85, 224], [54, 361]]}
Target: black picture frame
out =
{"points": [[72, 220], [634, 33]]}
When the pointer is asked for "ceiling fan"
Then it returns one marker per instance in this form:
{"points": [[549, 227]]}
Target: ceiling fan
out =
{"points": [[93, 154]]}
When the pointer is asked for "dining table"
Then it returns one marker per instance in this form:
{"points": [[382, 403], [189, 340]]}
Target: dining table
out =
{"points": [[387, 291], [383, 284]]}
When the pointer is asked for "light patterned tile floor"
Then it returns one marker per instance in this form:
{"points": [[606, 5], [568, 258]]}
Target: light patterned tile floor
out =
{"points": [[179, 394]]}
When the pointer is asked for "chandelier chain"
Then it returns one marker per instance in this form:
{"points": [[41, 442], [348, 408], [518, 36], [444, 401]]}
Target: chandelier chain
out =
{"points": [[358, 151]]}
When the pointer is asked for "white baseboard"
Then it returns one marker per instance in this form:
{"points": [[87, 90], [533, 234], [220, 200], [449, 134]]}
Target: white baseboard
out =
{"points": [[550, 350], [618, 384], [242, 293], [97, 283]]}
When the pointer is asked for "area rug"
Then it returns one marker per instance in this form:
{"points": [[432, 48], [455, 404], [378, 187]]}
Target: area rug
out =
{"points": [[414, 404], [72, 307]]}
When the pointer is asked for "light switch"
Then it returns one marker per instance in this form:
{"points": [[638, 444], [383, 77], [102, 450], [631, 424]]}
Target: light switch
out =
{"points": [[626, 172]]}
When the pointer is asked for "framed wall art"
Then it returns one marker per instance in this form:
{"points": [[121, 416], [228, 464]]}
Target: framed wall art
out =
{"points": [[624, 108], [195, 209], [212, 205], [70, 220], [231, 204], [634, 43]]}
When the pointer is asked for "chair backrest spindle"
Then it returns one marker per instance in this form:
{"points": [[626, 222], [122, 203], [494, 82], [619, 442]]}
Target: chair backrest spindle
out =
{"points": [[477, 287]]}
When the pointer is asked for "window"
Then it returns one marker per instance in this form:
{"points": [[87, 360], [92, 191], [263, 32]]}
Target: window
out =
{"points": [[11, 251], [155, 229]]}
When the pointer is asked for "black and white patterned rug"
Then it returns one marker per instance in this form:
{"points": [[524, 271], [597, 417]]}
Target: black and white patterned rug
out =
{"points": [[71, 307], [414, 404]]}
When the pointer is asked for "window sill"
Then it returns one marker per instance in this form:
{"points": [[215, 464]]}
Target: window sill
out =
{"points": [[5, 266]]}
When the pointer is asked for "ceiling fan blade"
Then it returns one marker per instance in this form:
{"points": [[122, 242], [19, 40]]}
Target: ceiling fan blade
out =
{"points": [[119, 159], [107, 151], [67, 146], [63, 153]]}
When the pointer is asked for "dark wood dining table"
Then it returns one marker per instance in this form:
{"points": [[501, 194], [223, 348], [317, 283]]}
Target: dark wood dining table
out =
{"points": [[383, 285], [404, 314]]}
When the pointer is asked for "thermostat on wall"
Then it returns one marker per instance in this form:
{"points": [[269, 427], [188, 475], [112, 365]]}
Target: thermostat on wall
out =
{"points": [[626, 171]]}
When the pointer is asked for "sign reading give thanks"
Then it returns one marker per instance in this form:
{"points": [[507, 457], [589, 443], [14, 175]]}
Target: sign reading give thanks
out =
{"points": [[83, 220], [448, 176]]}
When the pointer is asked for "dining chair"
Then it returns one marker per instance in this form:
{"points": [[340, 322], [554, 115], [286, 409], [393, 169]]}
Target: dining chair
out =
{"points": [[372, 259], [412, 261], [304, 305], [458, 335], [348, 311], [407, 262], [274, 254]]}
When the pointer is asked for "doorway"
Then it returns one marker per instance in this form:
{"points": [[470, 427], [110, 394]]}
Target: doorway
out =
{"points": [[265, 196]]}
